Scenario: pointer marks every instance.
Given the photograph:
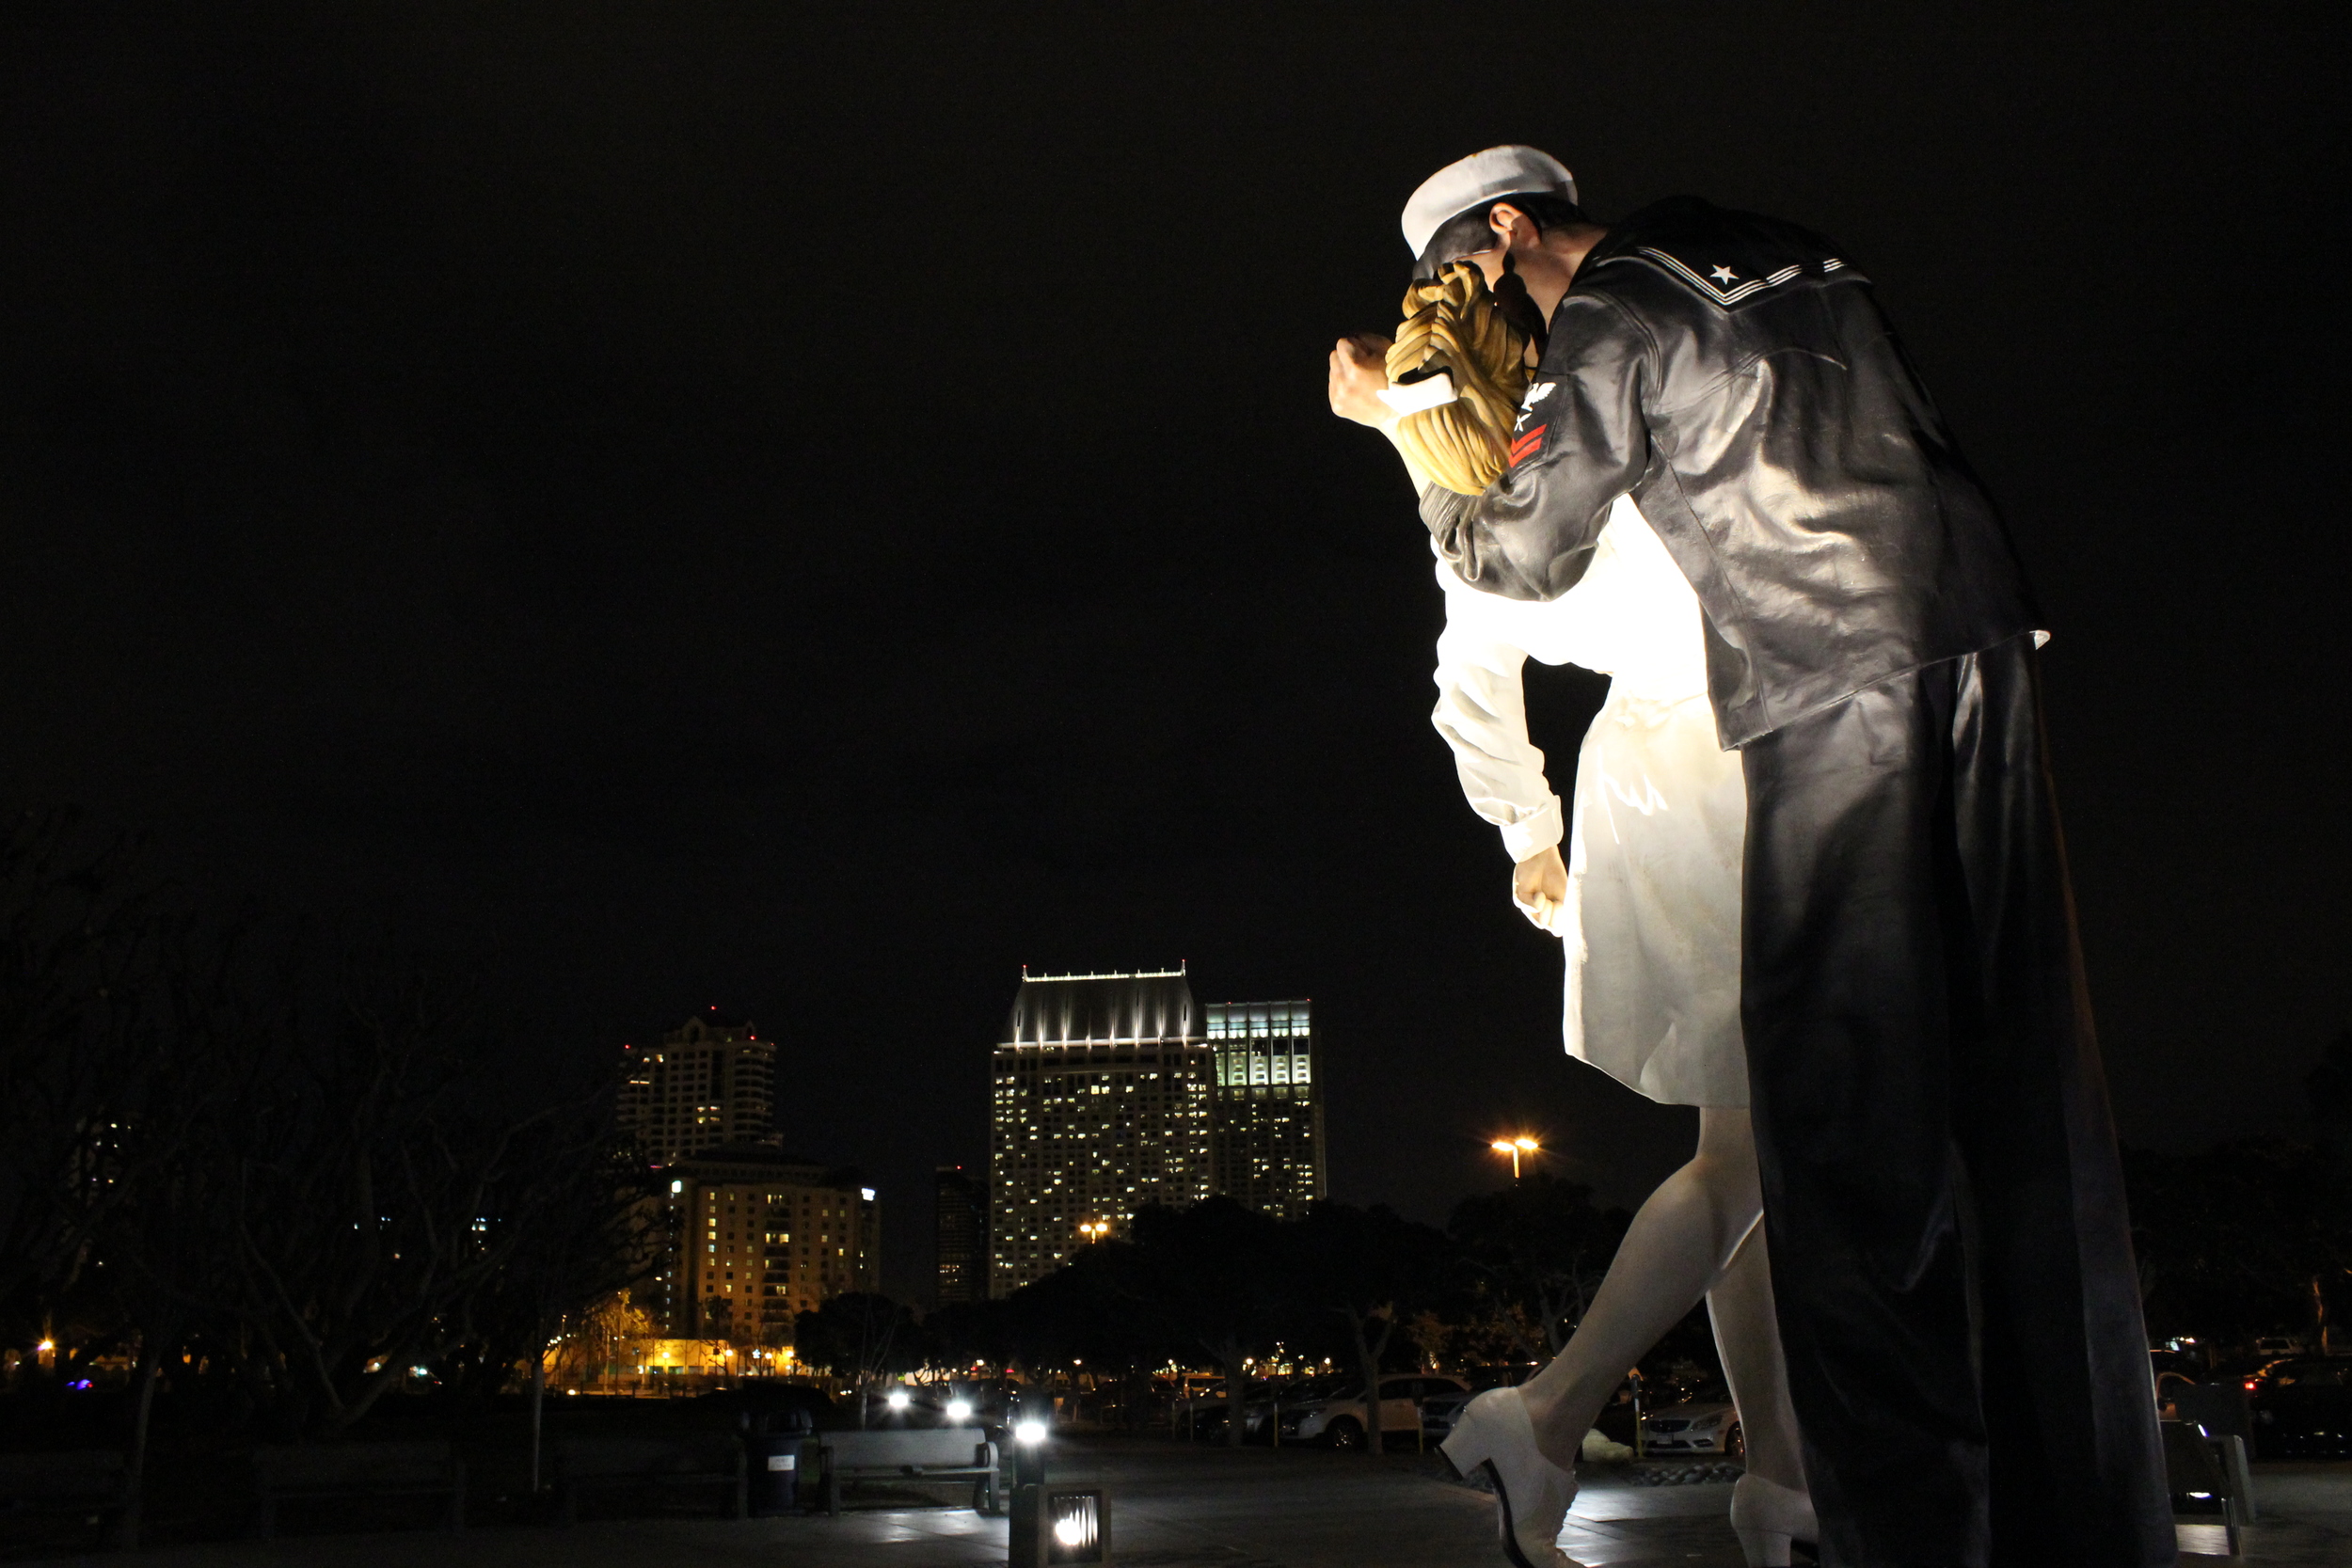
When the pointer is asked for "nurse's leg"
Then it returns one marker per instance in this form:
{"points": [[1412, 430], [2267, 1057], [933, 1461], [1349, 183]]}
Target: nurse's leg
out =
{"points": [[1748, 1338], [1677, 1248]]}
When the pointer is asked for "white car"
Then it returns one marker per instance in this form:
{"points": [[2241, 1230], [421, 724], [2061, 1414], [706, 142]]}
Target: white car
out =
{"points": [[1337, 1419], [1705, 1426]]}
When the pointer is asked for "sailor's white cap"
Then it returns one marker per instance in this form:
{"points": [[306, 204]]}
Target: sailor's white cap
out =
{"points": [[1481, 177]]}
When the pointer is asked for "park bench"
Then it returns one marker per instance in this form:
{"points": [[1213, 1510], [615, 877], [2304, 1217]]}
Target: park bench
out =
{"points": [[311, 1472], [667, 1466], [92, 1482], [940, 1454], [2207, 1475]]}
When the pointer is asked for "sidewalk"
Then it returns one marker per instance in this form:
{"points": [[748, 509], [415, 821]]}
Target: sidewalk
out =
{"points": [[1178, 1507]]}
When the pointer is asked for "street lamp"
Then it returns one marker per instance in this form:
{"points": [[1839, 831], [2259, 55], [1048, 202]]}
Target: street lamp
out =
{"points": [[1094, 1230], [1514, 1148]]}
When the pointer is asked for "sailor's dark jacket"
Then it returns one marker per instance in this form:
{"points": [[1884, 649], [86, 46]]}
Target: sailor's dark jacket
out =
{"points": [[1736, 375]]}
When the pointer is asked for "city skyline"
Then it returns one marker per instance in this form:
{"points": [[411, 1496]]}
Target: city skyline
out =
{"points": [[702, 1103]]}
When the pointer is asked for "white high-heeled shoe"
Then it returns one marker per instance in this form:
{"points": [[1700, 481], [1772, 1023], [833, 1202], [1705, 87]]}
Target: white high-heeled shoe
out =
{"points": [[1768, 1516], [1532, 1494]]}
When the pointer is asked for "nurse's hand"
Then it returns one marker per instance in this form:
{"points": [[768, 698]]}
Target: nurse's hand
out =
{"points": [[1539, 886]]}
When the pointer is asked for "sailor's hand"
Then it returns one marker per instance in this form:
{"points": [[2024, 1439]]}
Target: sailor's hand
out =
{"points": [[1359, 372], [1539, 886]]}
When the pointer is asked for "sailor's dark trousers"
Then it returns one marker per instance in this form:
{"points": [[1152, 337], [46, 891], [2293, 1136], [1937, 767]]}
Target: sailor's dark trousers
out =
{"points": [[1950, 1254]]}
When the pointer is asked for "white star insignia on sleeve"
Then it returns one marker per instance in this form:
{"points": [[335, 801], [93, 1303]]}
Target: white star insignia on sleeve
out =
{"points": [[1723, 274], [1536, 394]]}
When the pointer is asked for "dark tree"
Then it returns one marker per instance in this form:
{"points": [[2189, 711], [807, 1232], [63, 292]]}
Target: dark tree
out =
{"points": [[2330, 1089], [2228, 1239], [571, 1209], [74, 945], [1372, 1269], [971, 1333], [1215, 1279], [860, 1335], [326, 1173], [1098, 1308], [1542, 1248]]}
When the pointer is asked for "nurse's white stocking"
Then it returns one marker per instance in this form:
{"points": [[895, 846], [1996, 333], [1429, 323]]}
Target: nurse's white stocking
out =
{"points": [[1681, 1245], [1747, 1337]]}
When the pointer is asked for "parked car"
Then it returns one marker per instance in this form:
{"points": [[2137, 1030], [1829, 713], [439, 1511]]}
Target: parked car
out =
{"points": [[1268, 1395], [1440, 1411], [1199, 1410], [1337, 1419], [2302, 1409], [1207, 1413], [1499, 1375], [1707, 1422]]}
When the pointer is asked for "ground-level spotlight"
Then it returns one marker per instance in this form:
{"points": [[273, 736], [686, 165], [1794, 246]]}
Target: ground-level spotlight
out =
{"points": [[1028, 1450], [1053, 1524], [897, 1399], [959, 1411]]}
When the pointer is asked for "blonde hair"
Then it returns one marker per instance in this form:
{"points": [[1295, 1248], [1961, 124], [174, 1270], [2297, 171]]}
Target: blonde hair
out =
{"points": [[1453, 324]]}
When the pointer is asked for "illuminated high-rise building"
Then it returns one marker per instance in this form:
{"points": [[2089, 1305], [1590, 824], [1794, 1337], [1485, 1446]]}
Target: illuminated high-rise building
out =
{"points": [[709, 1082], [1103, 1103], [959, 1229], [753, 1238], [1268, 1112]]}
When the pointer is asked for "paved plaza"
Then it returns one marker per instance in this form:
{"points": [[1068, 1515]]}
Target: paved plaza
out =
{"points": [[1178, 1507]]}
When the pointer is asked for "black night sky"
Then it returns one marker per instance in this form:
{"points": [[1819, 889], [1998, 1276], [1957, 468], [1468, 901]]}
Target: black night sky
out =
{"points": [[806, 511]]}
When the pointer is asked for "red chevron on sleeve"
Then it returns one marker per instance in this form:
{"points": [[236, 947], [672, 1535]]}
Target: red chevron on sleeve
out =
{"points": [[1525, 446]]}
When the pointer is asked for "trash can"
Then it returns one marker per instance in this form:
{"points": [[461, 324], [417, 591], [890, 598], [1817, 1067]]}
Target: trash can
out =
{"points": [[772, 1456]]}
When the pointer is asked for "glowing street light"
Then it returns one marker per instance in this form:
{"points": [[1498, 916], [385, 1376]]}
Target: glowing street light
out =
{"points": [[1094, 1230], [1514, 1148]]}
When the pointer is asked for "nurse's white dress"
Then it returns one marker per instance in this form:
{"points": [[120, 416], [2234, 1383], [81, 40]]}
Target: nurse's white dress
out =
{"points": [[1651, 925]]}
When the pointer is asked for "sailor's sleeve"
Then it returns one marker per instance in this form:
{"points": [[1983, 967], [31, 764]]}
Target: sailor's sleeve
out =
{"points": [[1481, 712], [1582, 442]]}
